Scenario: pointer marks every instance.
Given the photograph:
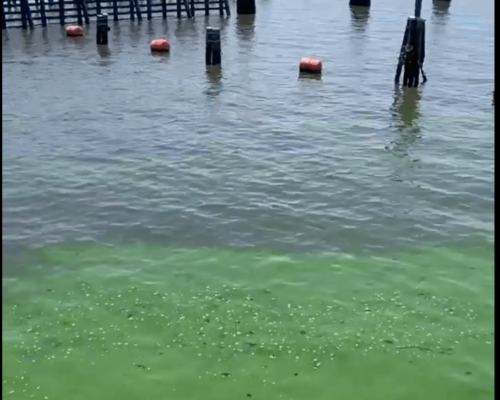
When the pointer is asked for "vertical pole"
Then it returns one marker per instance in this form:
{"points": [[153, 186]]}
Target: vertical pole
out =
{"points": [[213, 50], [28, 15], [207, 8], [132, 17], [228, 11], [4, 22], [221, 8], [188, 11], [98, 6], [178, 8], [102, 29], [24, 23], [137, 9], [401, 59], [148, 5], [362, 3], [164, 8], [115, 10], [85, 11], [245, 6], [42, 13], [192, 8], [418, 8], [61, 12], [79, 11]]}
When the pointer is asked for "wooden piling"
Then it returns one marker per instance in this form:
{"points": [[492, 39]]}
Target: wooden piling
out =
{"points": [[245, 6], [131, 7], [213, 49], [137, 9], [164, 8], [4, 22], [186, 7], [192, 8], [148, 7], [440, 8], [85, 11], [102, 29], [78, 11], [207, 8], [418, 8], [98, 6], [361, 3], [178, 8], [61, 12], [115, 10], [24, 23], [412, 53], [26, 15], [42, 13]]}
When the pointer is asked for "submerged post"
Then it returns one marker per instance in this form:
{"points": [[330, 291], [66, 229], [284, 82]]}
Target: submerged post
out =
{"points": [[361, 3], [102, 29], [412, 53], [213, 50], [245, 6]]}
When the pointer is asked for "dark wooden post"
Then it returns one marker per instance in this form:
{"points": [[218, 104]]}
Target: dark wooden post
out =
{"points": [[221, 8], [207, 8], [26, 15], [102, 29], [148, 7], [115, 10], [245, 6], [412, 53], [137, 9], [213, 50], [362, 3], [4, 22], [61, 12], [131, 4], [188, 11], [192, 8], [228, 11], [178, 8], [440, 7], [418, 8], [164, 8], [24, 23], [85, 11], [98, 7], [42, 13], [79, 11]]}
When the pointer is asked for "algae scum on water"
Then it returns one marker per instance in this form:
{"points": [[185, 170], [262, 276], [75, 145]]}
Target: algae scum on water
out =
{"points": [[144, 321]]}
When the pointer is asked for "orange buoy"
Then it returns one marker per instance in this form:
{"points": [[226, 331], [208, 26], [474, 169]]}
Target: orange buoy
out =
{"points": [[160, 45], [74, 30], [310, 65]]}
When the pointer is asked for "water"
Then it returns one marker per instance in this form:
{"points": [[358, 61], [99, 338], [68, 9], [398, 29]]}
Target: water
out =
{"points": [[173, 232]]}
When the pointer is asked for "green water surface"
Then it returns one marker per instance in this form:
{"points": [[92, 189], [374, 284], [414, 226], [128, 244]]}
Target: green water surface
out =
{"points": [[143, 321]]}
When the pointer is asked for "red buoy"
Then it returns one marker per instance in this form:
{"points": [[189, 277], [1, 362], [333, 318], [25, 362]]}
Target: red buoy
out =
{"points": [[160, 45], [74, 30], [310, 65]]}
